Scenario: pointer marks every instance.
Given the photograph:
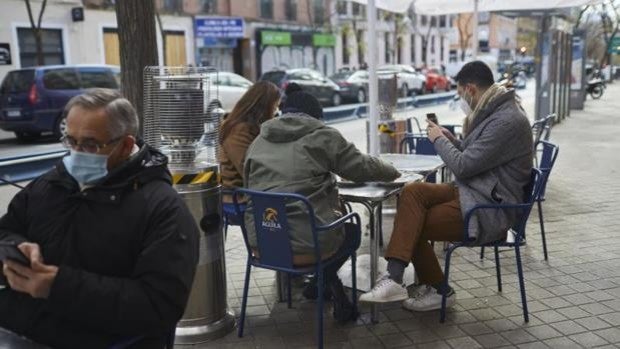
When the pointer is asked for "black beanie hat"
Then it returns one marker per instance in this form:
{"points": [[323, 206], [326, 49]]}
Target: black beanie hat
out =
{"points": [[298, 101]]}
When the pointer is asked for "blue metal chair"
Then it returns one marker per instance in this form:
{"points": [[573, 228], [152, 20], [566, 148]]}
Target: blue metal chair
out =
{"points": [[549, 155], [274, 252], [532, 191], [418, 144], [229, 216]]}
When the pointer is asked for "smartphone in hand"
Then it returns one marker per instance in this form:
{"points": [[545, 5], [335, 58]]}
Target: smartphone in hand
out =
{"points": [[432, 117], [9, 250]]}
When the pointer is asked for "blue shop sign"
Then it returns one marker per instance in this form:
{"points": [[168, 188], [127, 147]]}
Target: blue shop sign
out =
{"points": [[219, 27]]}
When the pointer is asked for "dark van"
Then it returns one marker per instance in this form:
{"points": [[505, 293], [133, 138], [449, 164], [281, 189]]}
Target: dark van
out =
{"points": [[32, 100]]}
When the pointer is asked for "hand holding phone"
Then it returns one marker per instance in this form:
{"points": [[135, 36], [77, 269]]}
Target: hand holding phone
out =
{"points": [[9, 250], [432, 117]]}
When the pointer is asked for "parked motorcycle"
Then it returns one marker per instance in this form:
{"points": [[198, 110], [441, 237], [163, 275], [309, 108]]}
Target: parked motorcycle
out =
{"points": [[595, 88]]}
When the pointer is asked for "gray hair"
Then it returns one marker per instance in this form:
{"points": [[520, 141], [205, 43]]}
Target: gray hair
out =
{"points": [[123, 119]]}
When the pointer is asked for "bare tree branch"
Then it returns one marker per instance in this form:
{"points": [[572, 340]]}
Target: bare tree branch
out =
{"points": [[580, 16], [41, 14], [34, 27]]}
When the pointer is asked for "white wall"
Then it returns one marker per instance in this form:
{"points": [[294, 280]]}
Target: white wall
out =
{"points": [[82, 41]]}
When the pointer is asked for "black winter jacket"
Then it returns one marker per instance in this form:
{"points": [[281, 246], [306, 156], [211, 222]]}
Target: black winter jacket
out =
{"points": [[126, 250]]}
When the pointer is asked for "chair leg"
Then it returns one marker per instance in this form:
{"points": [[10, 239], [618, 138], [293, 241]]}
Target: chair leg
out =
{"points": [[244, 300], [442, 313], [498, 271], [526, 316], [289, 298], [320, 284], [482, 252], [225, 226], [170, 340], [542, 229], [354, 280]]}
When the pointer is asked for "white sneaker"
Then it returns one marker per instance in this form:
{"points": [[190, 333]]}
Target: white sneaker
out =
{"points": [[428, 300], [386, 290]]}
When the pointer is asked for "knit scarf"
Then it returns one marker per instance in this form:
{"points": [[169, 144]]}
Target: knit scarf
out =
{"points": [[489, 95]]}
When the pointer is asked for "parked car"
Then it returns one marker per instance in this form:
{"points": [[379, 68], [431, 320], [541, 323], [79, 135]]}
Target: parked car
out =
{"points": [[436, 80], [32, 100], [353, 85], [408, 79], [311, 81], [230, 88]]}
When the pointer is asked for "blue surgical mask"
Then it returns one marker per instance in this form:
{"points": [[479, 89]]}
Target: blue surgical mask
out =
{"points": [[86, 168]]}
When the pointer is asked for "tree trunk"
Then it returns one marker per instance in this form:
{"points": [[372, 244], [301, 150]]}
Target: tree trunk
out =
{"points": [[38, 39], [138, 48]]}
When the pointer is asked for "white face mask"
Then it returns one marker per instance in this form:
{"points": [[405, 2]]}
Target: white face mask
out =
{"points": [[465, 107]]}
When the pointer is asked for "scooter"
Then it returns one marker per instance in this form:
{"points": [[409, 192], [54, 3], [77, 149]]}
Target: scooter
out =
{"points": [[595, 88]]}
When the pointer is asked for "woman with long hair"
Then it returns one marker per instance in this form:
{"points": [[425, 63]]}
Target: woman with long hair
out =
{"points": [[239, 130]]}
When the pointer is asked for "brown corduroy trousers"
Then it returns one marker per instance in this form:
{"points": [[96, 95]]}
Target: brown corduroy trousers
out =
{"points": [[425, 212]]}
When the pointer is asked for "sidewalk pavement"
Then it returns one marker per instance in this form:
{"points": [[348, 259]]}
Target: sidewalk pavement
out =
{"points": [[574, 298]]}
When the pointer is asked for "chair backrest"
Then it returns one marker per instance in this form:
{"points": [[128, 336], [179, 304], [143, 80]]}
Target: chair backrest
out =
{"points": [[549, 155], [424, 146], [417, 144], [410, 122], [546, 132], [271, 225], [530, 192]]}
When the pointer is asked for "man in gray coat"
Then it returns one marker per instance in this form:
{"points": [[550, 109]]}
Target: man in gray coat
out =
{"points": [[491, 165], [298, 153]]}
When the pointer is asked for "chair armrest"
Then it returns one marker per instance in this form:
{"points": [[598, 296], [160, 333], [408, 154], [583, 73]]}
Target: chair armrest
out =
{"points": [[487, 207], [340, 221]]}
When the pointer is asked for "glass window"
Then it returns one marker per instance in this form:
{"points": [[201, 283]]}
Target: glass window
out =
{"points": [[18, 81], [209, 6], [274, 76], [315, 75], [291, 10], [92, 78], [341, 7], [319, 12], [51, 47], [357, 9], [433, 21], [239, 81], [61, 79], [266, 9], [424, 20]]}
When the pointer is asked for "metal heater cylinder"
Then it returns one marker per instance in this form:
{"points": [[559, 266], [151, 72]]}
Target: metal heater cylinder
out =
{"points": [[206, 316], [181, 119]]}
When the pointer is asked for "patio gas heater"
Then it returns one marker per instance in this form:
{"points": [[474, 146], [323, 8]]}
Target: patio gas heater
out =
{"points": [[181, 120]]}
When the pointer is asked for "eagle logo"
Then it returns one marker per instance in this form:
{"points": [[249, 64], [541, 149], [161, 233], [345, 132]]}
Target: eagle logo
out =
{"points": [[270, 219]]}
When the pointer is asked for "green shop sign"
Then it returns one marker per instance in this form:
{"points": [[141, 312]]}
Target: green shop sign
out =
{"points": [[323, 40], [275, 38]]}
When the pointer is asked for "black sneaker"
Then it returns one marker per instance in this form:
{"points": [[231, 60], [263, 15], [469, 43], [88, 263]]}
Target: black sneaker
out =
{"points": [[344, 311], [310, 291]]}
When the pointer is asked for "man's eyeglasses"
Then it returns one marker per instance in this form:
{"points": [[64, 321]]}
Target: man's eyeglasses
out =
{"points": [[88, 146]]}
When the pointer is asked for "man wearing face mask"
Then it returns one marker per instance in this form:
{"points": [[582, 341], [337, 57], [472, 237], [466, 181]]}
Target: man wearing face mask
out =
{"points": [[112, 247], [491, 165]]}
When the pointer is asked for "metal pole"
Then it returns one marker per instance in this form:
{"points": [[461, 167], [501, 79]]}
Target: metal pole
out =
{"points": [[475, 31], [373, 91]]}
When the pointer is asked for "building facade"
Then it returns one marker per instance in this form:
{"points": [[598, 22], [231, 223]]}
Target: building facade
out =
{"points": [[497, 37], [93, 40], [408, 38], [259, 35]]}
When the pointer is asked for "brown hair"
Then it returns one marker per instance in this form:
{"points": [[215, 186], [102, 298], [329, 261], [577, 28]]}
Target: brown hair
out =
{"points": [[254, 108]]}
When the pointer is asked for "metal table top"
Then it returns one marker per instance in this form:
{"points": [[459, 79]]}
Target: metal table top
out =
{"points": [[414, 162], [375, 191]]}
